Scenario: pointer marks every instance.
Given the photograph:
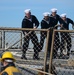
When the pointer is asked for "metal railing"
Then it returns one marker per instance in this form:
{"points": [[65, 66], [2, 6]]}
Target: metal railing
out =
{"points": [[62, 58], [12, 39]]}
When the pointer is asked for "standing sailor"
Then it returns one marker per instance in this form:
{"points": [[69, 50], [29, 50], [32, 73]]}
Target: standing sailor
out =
{"points": [[65, 37], [47, 22], [57, 19], [30, 21]]}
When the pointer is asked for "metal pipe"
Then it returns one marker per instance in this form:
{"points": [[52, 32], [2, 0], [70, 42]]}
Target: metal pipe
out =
{"points": [[3, 40], [31, 29], [70, 31], [46, 48], [51, 53], [21, 39]]}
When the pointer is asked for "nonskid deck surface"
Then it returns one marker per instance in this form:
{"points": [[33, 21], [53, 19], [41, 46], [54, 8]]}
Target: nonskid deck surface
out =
{"points": [[63, 66]]}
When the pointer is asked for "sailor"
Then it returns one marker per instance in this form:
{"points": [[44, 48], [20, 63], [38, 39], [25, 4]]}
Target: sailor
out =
{"points": [[30, 21], [47, 22], [57, 19], [65, 37]]}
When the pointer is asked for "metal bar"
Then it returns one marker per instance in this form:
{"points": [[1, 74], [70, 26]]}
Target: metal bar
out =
{"points": [[0, 39], [70, 31], [3, 39], [13, 31], [46, 48], [51, 53], [24, 29], [35, 29], [21, 39], [22, 65]]}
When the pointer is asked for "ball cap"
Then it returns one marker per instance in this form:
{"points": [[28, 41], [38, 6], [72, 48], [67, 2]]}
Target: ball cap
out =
{"points": [[27, 10], [53, 10], [63, 15], [46, 14]]}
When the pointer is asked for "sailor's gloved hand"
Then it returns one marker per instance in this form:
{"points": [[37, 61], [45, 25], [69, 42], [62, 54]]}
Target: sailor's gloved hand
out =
{"points": [[73, 27], [61, 25], [35, 27]]}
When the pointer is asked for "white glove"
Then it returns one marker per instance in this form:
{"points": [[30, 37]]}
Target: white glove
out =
{"points": [[61, 25], [35, 27], [73, 27]]}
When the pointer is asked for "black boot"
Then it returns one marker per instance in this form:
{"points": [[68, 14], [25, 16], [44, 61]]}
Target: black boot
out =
{"points": [[23, 57], [68, 55], [61, 55], [35, 56], [68, 52]]}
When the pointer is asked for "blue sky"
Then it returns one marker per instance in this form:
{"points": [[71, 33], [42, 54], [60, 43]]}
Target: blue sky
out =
{"points": [[12, 11]]}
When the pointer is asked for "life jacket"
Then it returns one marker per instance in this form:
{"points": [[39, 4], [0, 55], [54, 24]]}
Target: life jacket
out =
{"points": [[11, 70]]}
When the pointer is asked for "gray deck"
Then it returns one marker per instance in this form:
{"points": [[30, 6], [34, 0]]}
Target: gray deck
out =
{"points": [[62, 67]]}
